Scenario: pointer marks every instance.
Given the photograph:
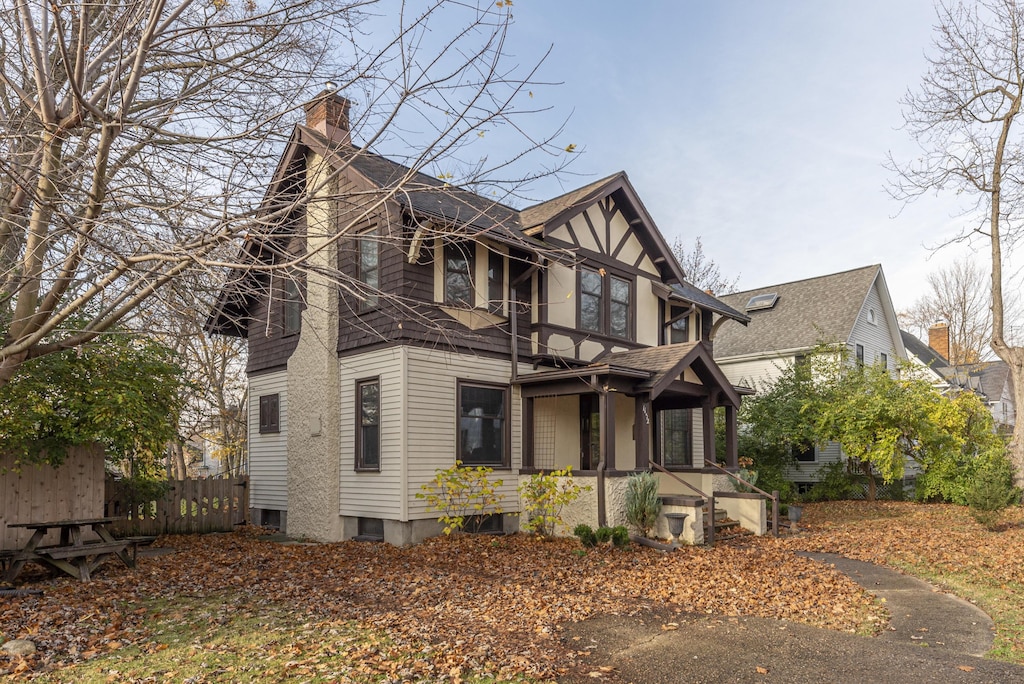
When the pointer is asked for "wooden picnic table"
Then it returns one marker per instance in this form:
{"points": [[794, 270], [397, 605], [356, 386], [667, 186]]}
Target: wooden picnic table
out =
{"points": [[73, 555]]}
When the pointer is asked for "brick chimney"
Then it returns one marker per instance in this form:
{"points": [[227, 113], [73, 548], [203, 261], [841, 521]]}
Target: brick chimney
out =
{"points": [[327, 113], [938, 339]]}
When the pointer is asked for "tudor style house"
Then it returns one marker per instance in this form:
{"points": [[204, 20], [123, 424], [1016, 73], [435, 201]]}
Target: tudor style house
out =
{"points": [[463, 330], [788, 320]]}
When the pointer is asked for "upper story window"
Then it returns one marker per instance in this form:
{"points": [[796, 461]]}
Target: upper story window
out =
{"points": [[883, 359], [679, 329], [459, 263], [605, 303], [495, 282], [291, 307], [369, 268], [860, 354]]}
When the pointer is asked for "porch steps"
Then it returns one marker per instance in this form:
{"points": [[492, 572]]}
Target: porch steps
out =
{"points": [[725, 527]]}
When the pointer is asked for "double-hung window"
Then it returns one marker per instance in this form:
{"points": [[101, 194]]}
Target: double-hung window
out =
{"points": [[483, 425], [605, 303], [368, 425], [459, 263], [676, 438], [369, 269], [679, 329]]}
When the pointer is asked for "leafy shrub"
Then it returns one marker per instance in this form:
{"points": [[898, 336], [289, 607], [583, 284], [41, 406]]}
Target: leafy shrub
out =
{"points": [[992, 490], [604, 535], [620, 536], [585, 534], [642, 503], [543, 498], [458, 493], [837, 484]]}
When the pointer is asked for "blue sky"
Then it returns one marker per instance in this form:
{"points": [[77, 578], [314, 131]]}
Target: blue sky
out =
{"points": [[761, 127]]}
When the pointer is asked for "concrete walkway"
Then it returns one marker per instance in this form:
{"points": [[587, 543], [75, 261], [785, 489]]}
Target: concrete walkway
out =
{"points": [[933, 637]]}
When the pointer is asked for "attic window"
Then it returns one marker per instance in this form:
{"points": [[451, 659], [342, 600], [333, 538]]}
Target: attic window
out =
{"points": [[762, 301]]}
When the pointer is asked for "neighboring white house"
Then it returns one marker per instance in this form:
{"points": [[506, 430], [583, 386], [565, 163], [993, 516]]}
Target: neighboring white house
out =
{"points": [[789, 319], [561, 335]]}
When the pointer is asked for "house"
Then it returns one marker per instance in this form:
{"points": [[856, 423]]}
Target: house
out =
{"points": [[788, 320], [991, 380], [459, 328]]}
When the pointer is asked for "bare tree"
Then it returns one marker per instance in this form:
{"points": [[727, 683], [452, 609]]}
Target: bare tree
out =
{"points": [[135, 136], [965, 117], [700, 269], [959, 296]]}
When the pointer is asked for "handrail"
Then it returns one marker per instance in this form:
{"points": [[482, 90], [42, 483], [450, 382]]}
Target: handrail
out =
{"points": [[774, 496], [710, 537]]}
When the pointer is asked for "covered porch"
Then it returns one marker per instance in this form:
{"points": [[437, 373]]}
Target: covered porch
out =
{"points": [[630, 410]]}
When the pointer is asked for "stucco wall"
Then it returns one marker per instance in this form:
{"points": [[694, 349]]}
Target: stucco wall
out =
{"points": [[584, 509], [313, 398]]}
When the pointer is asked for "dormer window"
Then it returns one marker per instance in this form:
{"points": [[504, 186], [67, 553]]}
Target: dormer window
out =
{"points": [[762, 301], [458, 274]]}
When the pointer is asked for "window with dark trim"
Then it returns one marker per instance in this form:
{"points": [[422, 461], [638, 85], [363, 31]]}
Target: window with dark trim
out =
{"points": [[679, 330], [495, 282], [804, 453], [458, 274], [270, 413], [605, 303], [883, 359], [676, 438], [368, 424], [483, 437], [860, 354], [619, 309], [369, 268], [291, 307]]}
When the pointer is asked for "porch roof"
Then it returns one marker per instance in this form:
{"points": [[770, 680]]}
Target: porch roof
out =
{"points": [[652, 370]]}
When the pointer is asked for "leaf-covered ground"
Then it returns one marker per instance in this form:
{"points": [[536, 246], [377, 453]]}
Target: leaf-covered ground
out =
{"points": [[443, 610], [940, 543]]}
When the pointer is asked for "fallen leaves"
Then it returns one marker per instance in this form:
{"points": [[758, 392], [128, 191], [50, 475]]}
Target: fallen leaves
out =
{"points": [[463, 603]]}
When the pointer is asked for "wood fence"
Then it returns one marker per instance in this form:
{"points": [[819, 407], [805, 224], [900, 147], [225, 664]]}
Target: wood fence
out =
{"points": [[186, 507], [34, 493]]}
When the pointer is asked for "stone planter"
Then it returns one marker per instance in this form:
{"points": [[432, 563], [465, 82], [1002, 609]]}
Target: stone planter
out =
{"points": [[795, 512]]}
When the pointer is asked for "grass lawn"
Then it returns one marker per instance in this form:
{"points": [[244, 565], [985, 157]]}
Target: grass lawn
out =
{"points": [[227, 608]]}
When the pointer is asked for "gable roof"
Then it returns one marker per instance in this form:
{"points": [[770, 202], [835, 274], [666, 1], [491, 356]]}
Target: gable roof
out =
{"points": [[807, 311], [427, 197], [987, 378]]}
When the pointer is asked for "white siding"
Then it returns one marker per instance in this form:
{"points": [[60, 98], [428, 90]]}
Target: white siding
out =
{"points": [[754, 373], [432, 377], [268, 453], [373, 494], [875, 337]]}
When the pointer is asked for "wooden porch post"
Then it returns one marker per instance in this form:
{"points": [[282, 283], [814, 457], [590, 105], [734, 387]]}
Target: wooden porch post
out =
{"points": [[708, 412], [607, 418], [528, 432], [731, 446], [642, 420]]}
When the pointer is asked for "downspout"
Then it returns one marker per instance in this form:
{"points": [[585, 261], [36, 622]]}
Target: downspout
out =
{"points": [[602, 518]]}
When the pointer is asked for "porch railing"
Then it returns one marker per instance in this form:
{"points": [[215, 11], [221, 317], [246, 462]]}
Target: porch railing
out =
{"points": [[709, 534], [774, 496]]}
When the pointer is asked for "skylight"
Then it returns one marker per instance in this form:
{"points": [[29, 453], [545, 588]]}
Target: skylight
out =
{"points": [[762, 301]]}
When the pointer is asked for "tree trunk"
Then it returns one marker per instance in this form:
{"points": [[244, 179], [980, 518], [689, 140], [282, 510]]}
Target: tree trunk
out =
{"points": [[178, 470], [872, 487]]}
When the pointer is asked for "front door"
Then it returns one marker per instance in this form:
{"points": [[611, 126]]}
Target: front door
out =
{"points": [[590, 431]]}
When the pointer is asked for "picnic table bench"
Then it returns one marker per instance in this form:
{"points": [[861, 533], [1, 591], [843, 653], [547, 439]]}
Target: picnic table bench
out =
{"points": [[72, 555]]}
